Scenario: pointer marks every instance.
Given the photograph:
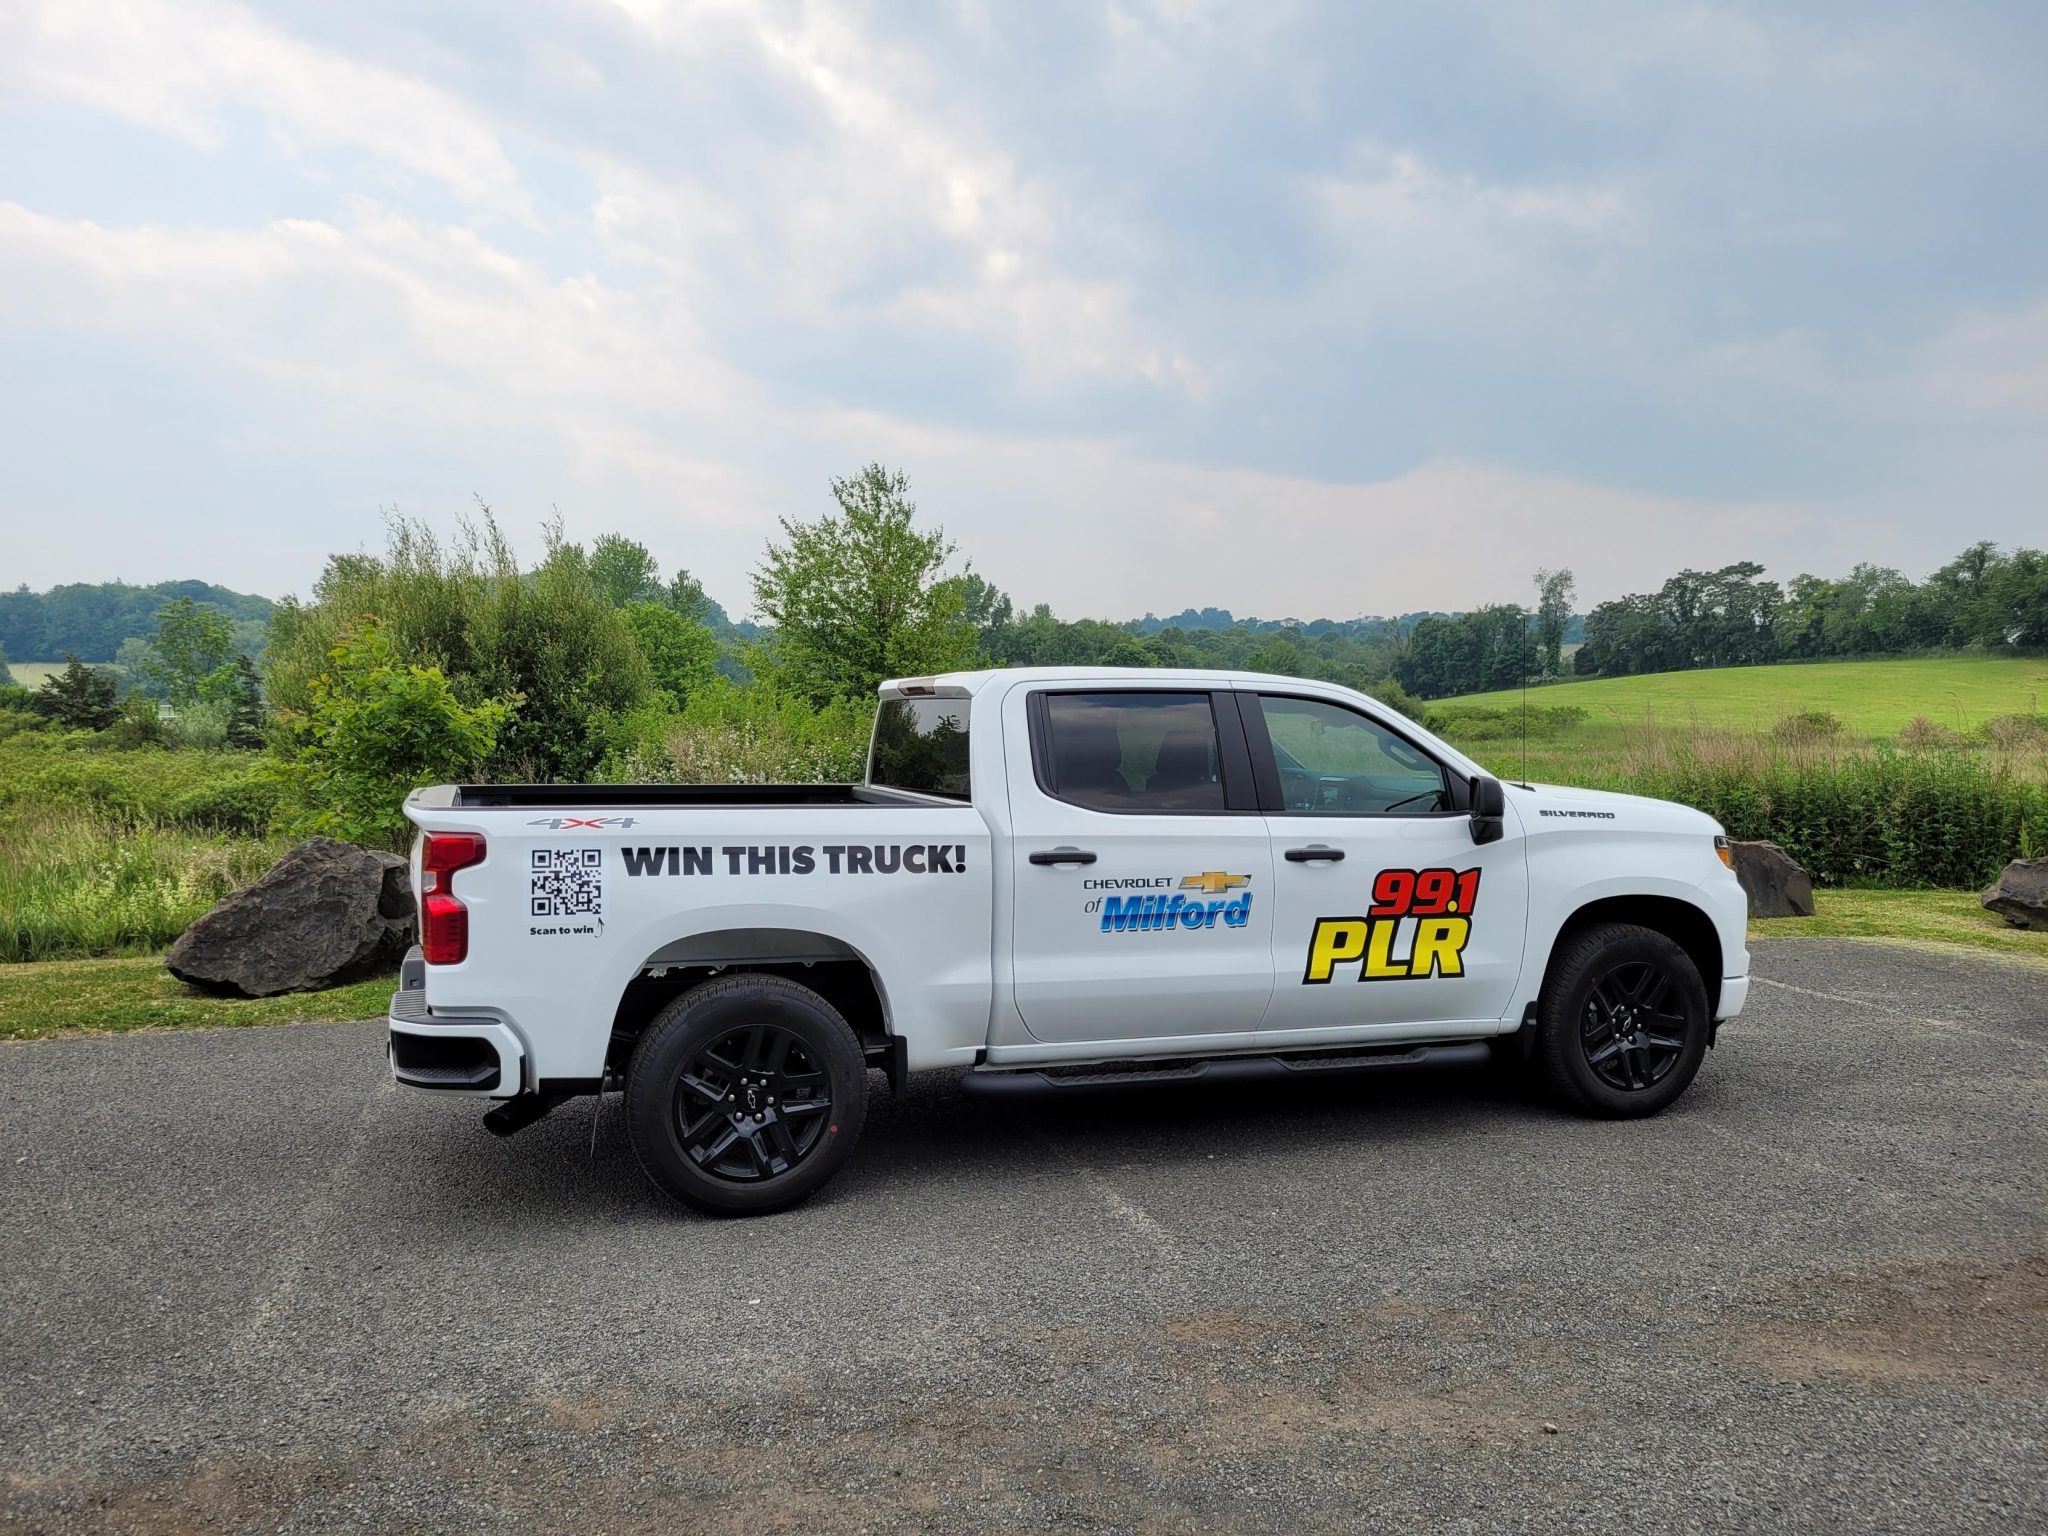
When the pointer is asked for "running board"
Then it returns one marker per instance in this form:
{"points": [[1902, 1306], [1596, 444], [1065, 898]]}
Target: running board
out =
{"points": [[1018, 1082]]}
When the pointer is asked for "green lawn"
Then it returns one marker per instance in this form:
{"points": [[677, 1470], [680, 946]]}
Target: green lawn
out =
{"points": [[1948, 919], [114, 996], [1870, 698]]}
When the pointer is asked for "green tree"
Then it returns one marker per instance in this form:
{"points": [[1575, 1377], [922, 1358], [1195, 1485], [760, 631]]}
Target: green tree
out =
{"points": [[624, 572], [681, 653], [1553, 615], [247, 718], [861, 596], [80, 698], [686, 596], [191, 643], [375, 729], [6, 677]]}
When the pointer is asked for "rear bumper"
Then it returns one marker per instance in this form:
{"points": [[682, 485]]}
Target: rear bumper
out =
{"points": [[449, 1053]]}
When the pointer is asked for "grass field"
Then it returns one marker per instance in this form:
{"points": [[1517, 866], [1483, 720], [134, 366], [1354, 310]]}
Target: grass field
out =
{"points": [[115, 996], [1870, 698], [30, 674]]}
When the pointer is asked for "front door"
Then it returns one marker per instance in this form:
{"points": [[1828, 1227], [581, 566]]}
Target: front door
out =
{"points": [[1388, 921], [1143, 870]]}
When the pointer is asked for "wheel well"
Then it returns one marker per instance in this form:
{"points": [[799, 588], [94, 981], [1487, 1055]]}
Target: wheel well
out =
{"points": [[847, 984], [1680, 921]]}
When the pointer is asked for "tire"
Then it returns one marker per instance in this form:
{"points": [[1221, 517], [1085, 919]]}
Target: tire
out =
{"points": [[746, 1094], [1643, 979]]}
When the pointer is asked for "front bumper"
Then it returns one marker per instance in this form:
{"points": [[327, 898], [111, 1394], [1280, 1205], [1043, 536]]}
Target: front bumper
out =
{"points": [[449, 1053], [1734, 993]]}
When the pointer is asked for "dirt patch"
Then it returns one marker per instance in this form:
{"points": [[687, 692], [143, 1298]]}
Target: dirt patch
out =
{"points": [[1943, 1318]]}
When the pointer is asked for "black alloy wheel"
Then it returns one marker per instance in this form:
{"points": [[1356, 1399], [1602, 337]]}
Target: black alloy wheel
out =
{"points": [[752, 1104], [1632, 1031], [746, 1094], [1622, 1021]]}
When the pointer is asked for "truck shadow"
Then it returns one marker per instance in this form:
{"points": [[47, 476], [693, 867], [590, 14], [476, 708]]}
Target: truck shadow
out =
{"points": [[557, 1173]]}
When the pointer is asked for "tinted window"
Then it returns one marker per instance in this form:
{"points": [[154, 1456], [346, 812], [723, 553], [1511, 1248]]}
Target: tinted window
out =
{"points": [[921, 744], [1335, 762], [1134, 751]]}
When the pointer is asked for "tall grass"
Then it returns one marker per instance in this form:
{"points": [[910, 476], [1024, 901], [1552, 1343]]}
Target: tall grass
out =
{"points": [[1852, 813], [82, 882]]}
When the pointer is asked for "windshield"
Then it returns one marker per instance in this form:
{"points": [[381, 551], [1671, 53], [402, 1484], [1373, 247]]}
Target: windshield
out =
{"points": [[921, 744]]}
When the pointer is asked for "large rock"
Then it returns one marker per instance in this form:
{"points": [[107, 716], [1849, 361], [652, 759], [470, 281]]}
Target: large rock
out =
{"points": [[326, 913], [2020, 895], [1775, 885]]}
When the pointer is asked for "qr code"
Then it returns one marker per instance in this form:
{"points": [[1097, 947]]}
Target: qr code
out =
{"points": [[568, 882]]}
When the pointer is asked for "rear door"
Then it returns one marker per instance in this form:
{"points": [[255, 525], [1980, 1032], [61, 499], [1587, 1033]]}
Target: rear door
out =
{"points": [[1143, 869], [1388, 919]]}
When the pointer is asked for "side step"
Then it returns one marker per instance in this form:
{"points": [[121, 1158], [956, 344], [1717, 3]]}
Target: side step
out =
{"points": [[1021, 1081]]}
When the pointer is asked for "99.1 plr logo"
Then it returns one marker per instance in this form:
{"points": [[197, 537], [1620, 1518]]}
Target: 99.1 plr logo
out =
{"points": [[1417, 927]]}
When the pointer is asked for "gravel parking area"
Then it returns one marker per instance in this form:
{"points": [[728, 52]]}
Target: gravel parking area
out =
{"points": [[249, 1285]]}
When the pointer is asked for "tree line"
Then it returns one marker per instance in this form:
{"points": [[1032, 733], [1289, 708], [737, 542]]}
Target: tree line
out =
{"points": [[92, 620], [1731, 617]]}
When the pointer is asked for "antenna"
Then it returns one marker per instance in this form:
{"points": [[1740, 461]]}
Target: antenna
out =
{"points": [[1525, 710]]}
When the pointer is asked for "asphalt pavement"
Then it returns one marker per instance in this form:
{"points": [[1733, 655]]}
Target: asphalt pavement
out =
{"points": [[249, 1285]]}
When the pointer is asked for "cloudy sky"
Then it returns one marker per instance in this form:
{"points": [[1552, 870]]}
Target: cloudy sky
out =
{"points": [[1295, 309]]}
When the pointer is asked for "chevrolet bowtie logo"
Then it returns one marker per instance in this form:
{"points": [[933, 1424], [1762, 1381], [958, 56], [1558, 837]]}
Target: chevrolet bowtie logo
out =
{"points": [[1213, 881]]}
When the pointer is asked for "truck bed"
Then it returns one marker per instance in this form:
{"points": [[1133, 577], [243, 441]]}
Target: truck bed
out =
{"points": [[671, 797]]}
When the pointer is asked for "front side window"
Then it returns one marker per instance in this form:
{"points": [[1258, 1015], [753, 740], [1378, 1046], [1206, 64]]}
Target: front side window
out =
{"points": [[1134, 752], [921, 744], [1336, 762]]}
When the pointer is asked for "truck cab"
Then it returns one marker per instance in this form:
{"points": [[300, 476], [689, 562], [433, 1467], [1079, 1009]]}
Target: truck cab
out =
{"points": [[1057, 879]]}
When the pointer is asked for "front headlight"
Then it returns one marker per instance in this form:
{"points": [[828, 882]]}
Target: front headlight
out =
{"points": [[1724, 852]]}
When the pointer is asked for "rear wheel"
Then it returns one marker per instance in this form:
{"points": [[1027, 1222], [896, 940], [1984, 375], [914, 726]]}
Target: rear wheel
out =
{"points": [[1622, 1023], [746, 1094]]}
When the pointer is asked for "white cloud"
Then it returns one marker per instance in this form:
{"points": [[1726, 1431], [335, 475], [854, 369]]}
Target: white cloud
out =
{"points": [[183, 68], [898, 207]]}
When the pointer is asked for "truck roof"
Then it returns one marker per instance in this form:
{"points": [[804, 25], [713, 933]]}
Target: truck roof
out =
{"points": [[973, 682]]}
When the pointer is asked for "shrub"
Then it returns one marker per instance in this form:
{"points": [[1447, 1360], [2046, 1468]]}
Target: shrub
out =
{"points": [[2009, 732], [245, 806], [732, 735], [1806, 726], [1923, 732], [1390, 693], [1485, 722], [373, 731]]}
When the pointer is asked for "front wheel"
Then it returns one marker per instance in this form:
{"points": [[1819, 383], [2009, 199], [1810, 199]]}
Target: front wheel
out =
{"points": [[746, 1094], [1622, 1023]]}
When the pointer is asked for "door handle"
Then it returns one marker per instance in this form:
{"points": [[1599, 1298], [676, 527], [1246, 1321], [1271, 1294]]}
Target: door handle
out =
{"points": [[1314, 853], [1064, 856]]}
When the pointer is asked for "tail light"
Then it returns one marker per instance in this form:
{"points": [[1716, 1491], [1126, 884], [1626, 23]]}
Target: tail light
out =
{"points": [[444, 921]]}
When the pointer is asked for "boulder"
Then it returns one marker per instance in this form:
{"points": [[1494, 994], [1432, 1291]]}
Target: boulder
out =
{"points": [[325, 914], [2020, 895], [1774, 884]]}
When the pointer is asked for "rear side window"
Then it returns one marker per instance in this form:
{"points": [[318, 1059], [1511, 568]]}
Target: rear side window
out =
{"points": [[1134, 751], [921, 744]]}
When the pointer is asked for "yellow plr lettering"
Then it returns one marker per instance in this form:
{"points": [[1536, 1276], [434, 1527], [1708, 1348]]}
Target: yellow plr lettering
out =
{"points": [[1380, 961], [1440, 946], [1335, 941]]}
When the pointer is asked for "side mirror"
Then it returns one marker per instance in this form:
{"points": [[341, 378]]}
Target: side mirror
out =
{"points": [[1489, 809]]}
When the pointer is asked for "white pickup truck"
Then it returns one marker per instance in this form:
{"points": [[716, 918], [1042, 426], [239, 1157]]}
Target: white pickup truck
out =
{"points": [[1055, 879]]}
